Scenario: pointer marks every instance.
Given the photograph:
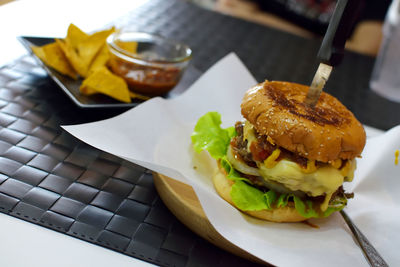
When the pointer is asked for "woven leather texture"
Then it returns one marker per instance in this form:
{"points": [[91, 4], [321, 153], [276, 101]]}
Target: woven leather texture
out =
{"points": [[51, 179]]}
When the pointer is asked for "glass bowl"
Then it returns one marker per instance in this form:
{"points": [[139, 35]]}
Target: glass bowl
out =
{"points": [[150, 64]]}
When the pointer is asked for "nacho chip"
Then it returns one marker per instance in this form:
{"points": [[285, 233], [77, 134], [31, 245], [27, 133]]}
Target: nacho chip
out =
{"points": [[39, 52], [105, 82], [138, 96], [100, 60], [53, 56], [72, 57], [89, 48], [81, 48], [79, 53], [75, 35], [130, 47]]}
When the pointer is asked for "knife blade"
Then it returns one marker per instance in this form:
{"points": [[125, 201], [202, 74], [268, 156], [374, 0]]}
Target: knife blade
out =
{"points": [[331, 50], [318, 83]]}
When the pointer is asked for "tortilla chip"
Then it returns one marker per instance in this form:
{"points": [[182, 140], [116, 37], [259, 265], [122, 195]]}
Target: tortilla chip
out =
{"points": [[78, 53], [138, 96], [100, 60], [130, 47], [101, 35], [72, 57], [88, 49], [53, 56], [105, 82], [75, 35], [39, 52]]}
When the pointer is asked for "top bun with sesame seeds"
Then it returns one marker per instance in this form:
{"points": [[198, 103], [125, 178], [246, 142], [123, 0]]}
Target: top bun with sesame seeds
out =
{"points": [[325, 133]]}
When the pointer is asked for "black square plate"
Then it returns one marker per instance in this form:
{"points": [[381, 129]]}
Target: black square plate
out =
{"points": [[71, 86]]}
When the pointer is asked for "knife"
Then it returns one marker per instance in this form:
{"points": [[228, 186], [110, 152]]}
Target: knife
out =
{"points": [[330, 54], [331, 50]]}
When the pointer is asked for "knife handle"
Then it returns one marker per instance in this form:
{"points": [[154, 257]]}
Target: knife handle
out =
{"points": [[339, 29]]}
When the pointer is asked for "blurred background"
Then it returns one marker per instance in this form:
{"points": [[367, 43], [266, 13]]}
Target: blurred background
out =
{"points": [[308, 18]]}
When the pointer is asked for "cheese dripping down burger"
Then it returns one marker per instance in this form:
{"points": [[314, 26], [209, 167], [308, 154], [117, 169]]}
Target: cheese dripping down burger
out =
{"points": [[286, 162]]}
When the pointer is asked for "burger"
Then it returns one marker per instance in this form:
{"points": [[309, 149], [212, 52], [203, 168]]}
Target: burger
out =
{"points": [[285, 161]]}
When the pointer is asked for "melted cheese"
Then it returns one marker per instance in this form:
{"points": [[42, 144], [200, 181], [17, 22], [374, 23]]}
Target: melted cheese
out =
{"points": [[310, 167], [336, 163], [321, 181], [324, 181], [348, 170]]}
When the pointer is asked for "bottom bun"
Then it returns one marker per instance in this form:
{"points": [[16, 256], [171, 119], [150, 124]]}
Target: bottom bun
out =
{"points": [[286, 214]]}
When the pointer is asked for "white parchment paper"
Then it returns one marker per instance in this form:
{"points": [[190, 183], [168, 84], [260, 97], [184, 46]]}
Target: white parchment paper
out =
{"points": [[156, 135]]}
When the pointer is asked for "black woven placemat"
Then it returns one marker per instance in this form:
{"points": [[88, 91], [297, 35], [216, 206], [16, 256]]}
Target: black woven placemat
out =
{"points": [[50, 178]]}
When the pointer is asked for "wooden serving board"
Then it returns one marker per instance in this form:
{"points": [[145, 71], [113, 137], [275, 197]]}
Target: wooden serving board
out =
{"points": [[182, 201]]}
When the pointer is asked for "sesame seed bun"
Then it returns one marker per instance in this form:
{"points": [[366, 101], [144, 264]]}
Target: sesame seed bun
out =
{"points": [[223, 187], [324, 133]]}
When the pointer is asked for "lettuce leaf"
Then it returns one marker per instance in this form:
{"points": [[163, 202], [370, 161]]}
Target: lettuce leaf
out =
{"points": [[282, 200], [270, 198], [231, 172], [208, 135], [336, 204], [305, 208], [247, 197]]}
